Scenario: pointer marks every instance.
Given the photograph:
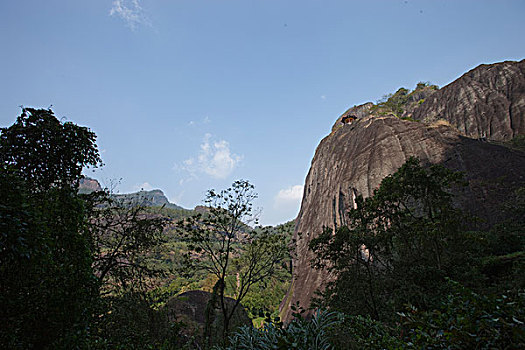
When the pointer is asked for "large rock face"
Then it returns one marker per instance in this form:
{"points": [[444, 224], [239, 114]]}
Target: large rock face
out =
{"points": [[486, 102], [355, 157]]}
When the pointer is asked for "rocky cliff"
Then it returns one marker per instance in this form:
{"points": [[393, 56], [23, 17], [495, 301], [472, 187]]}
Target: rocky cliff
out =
{"points": [[486, 102], [355, 157]]}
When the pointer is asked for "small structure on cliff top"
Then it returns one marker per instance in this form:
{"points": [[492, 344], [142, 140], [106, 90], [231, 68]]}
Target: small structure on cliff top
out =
{"points": [[348, 119]]}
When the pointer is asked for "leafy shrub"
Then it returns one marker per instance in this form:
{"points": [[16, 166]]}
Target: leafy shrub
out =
{"points": [[517, 142], [300, 334], [404, 100], [467, 320], [362, 332]]}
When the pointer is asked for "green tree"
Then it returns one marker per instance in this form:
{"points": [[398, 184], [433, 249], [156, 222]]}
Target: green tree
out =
{"points": [[122, 236], [61, 251], [46, 152], [47, 287], [221, 243], [400, 245]]}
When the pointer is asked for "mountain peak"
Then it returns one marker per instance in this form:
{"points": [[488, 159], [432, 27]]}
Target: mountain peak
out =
{"points": [[151, 198]]}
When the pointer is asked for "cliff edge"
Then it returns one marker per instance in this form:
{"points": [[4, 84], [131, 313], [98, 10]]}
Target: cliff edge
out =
{"points": [[359, 153]]}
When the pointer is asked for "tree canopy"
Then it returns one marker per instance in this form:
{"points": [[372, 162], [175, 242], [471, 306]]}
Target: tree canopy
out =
{"points": [[47, 287], [61, 251], [400, 244], [46, 151]]}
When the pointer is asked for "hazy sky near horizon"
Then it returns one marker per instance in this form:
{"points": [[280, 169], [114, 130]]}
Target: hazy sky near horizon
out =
{"points": [[188, 95]]}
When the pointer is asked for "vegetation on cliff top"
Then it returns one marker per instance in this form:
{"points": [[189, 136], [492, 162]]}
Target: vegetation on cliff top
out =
{"points": [[403, 101]]}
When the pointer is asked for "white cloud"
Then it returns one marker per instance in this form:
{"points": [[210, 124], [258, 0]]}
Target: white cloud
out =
{"points": [[293, 193], [204, 121], [145, 186], [323, 97], [286, 203], [214, 159], [131, 12]]}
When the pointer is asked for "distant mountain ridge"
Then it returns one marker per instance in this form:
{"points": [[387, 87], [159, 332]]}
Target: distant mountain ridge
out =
{"points": [[152, 198]]}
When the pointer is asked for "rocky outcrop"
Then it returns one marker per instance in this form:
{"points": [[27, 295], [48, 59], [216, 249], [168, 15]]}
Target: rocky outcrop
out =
{"points": [[486, 102], [153, 198], [190, 308], [359, 112], [88, 185], [355, 157]]}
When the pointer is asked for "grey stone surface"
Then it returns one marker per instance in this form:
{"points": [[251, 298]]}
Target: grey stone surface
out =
{"points": [[486, 102], [354, 159]]}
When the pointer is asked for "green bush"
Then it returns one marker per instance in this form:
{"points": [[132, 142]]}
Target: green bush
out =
{"points": [[300, 334], [467, 320], [362, 332]]}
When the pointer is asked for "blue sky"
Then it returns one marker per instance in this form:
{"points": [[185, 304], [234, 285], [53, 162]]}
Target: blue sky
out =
{"points": [[188, 95]]}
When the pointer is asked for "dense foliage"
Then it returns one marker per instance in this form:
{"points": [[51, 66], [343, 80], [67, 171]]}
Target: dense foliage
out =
{"points": [[46, 152], [68, 262], [406, 245], [465, 319], [47, 287]]}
